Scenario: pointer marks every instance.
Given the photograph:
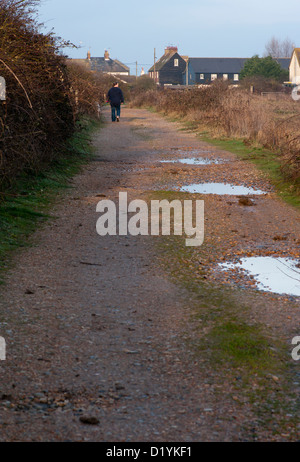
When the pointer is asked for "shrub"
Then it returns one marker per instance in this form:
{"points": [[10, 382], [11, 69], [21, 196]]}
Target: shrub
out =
{"points": [[46, 94], [224, 110], [265, 67], [88, 90], [37, 116]]}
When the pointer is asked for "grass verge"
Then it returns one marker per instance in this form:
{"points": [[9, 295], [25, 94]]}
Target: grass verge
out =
{"points": [[265, 160], [28, 204], [245, 359]]}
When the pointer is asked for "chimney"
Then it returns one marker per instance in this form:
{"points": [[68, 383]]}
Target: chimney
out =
{"points": [[106, 55], [171, 50], [89, 55]]}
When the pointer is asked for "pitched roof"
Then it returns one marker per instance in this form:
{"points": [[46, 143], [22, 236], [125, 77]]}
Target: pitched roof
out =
{"points": [[297, 53], [284, 62], [217, 65], [163, 60], [226, 65], [107, 65]]}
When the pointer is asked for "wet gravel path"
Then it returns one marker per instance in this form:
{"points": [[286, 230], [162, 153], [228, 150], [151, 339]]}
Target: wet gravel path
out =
{"points": [[96, 332]]}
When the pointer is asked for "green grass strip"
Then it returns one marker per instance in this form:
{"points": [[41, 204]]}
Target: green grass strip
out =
{"points": [[28, 202], [266, 161]]}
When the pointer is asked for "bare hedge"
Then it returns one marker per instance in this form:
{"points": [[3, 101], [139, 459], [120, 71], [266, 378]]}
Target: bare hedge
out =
{"points": [[271, 121], [44, 95]]}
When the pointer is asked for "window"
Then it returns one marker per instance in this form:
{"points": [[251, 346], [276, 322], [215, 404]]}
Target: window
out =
{"points": [[201, 76], [236, 77], [225, 76], [214, 76], [176, 62]]}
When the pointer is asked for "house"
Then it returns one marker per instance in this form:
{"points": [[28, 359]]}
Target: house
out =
{"points": [[169, 68], [104, 64], [295, 67], [284, 63], [206, 70]]}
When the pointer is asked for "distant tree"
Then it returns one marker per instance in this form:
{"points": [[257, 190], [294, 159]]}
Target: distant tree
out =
{"points": [[265, 67], [279, 48]]}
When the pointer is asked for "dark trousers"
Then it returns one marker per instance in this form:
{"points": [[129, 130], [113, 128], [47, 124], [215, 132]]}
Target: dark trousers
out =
{"points": [[114, 110]]}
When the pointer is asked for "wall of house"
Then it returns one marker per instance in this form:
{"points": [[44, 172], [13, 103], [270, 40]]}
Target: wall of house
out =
{"points": [[207, 78], [197, 78], [191, 76], [295, 70], [171, 74]]}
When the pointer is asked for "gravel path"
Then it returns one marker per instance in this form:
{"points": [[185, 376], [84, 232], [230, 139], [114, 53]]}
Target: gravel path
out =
{"points": [[96, 332]]}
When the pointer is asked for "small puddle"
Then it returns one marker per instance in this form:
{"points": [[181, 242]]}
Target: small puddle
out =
{"points": [[277, 275], [192, 161], [190, 151], [221, 189]]}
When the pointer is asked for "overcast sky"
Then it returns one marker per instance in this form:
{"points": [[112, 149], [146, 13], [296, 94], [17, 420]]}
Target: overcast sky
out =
{"points": [[130, 30]]}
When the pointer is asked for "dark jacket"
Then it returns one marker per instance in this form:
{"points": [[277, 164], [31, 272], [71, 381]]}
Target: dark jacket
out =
{"points": [[115, 96]]}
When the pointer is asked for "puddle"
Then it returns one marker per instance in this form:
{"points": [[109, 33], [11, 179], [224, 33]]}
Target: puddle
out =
{"points": [[190, 151], [277, 275], [220, 189], [192, 161]]}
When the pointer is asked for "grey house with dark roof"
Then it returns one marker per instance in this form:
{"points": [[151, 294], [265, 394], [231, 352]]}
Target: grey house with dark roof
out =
{"points": [[105, 65], [284, 63], [169, 68], [206, 70], [108, 65]]}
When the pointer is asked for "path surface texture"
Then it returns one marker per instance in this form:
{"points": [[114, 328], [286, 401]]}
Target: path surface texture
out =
{"points": [[100, 337]]}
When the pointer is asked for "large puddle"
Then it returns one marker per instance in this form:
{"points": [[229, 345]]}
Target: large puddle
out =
{"points": [[277, 275], [192, 161], [221, 189]]}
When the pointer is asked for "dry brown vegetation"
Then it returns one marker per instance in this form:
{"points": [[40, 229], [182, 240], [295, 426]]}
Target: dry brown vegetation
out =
{"points": [[225, 111], [44, 96], [88, 90]]}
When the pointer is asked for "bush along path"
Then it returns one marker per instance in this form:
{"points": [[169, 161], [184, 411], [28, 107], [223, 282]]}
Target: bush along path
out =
{"points": [[140, 338], [27, 203]]}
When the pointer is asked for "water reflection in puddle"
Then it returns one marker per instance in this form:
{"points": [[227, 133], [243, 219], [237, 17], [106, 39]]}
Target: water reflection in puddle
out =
{"points": [[277, 275], [192, 161], [220, 189]]}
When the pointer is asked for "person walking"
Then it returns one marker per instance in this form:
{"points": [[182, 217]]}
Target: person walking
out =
{"points": [[115, 98]]}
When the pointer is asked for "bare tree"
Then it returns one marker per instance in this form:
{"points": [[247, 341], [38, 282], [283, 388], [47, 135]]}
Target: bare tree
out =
{"points": [[279, 48], [287, 48]]}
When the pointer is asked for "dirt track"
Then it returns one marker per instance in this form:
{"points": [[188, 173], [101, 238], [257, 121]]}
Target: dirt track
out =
{"points": [[94, 326]]}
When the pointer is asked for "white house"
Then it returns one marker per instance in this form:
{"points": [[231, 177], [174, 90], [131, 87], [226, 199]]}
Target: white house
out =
{"points": [[295, 67]]}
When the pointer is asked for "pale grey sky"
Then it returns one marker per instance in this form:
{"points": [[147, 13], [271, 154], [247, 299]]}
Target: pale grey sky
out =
{"points": [[131, 29]]}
